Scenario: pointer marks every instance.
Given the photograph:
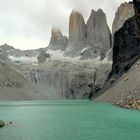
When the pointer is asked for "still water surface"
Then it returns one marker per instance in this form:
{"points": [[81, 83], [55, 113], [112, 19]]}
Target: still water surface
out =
{"points": [[68, 120]]}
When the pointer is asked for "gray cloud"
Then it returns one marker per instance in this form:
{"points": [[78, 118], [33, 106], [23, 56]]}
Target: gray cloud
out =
{"points": [[26, 24]]}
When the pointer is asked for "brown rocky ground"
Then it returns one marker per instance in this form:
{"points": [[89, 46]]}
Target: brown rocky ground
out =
{"points": [[130, 102]]}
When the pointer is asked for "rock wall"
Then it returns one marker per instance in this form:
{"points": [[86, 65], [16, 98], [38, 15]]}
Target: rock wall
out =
{"points": [[68, 80], [88, 40], [124, 12], [126, 44], [98, 33], [77, 27], [77, 34]]}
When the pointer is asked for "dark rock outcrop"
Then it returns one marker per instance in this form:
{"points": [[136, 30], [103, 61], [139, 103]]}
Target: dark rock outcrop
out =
{"points": [[137, 5], [126, 50], [126, 45]]}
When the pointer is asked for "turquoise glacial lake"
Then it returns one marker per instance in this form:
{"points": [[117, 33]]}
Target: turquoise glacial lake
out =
{"points": [[68, 120]]}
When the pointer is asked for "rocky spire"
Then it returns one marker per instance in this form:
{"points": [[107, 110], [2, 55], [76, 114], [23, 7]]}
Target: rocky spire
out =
{"points": [[98, 33], [77, 28], [77, 35], [58, 41]]}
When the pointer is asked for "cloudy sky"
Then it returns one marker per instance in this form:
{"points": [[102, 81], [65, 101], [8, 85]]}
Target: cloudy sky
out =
{"points": [[26, 24]]}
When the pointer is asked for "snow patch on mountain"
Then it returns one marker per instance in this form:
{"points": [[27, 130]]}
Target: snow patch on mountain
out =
{"points": [[59, 55], [23, 59]]}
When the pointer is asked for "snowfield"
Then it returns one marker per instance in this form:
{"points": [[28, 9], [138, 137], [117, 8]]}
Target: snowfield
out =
{"points": [[58, 55], [23, 59]]}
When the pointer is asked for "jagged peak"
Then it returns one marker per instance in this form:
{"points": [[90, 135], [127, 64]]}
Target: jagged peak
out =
{"points": [[124, 5], [100, 11], [97, 14], [93, 12]]}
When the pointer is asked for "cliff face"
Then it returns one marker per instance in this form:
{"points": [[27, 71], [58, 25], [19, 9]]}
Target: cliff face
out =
{"points": [[67, 80], [98, 33], [124, 12], [89, 40], [126, 44], [77, 27], [77, 34]]}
